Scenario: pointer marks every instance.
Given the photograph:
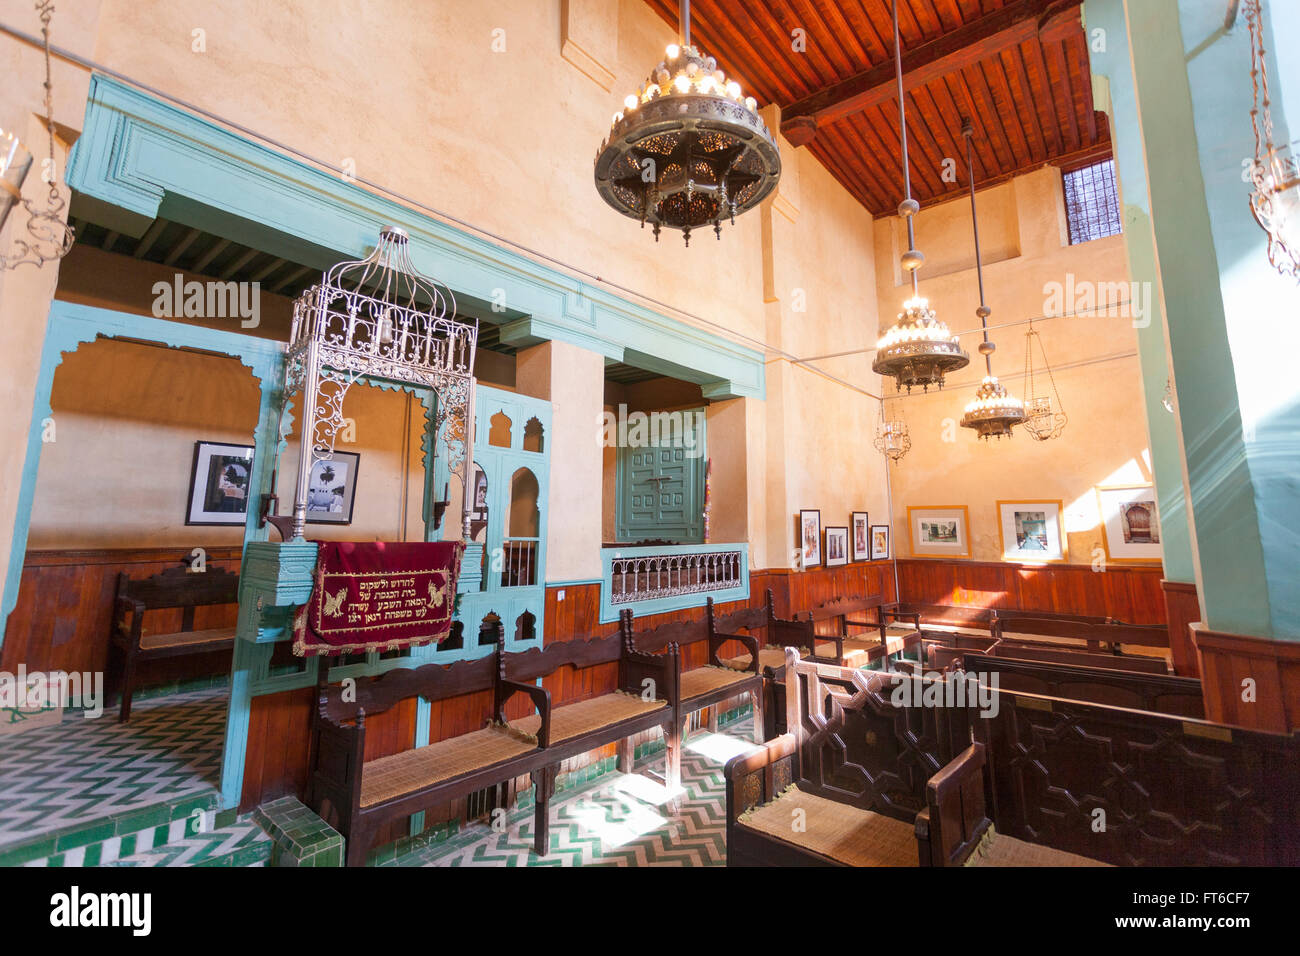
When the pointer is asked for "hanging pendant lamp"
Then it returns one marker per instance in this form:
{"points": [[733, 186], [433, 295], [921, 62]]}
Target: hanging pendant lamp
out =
{"points": [[918, 350], [892, 439], [1045, 417], [994, 410], [687, 150]]}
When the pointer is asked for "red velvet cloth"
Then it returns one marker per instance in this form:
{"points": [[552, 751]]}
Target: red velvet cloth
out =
{"points": [[378, 596]]}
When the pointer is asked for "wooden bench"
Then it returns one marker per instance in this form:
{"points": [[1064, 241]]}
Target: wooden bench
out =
{"points": [[856, 784], [1096, 634], [850, 648], [1158, 693], [645, 696], [709, 685], [778, 634], [358, 796], [941, 650], [178, 587]]}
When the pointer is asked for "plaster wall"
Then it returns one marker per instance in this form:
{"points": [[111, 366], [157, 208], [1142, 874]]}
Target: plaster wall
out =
{"points": [[1093, 355]]}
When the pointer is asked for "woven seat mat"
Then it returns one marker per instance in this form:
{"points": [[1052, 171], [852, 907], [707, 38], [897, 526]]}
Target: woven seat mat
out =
{"points": [[772, 657], [997, 849], [845, 834], [152, 642], [856, 652], [411, 770], [573, 720], [702, 680]]}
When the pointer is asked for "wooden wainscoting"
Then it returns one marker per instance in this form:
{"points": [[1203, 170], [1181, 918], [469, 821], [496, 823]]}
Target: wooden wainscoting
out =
{"points": [[1182, 609], [1227, 660], [1131, 594], [64, 610]]}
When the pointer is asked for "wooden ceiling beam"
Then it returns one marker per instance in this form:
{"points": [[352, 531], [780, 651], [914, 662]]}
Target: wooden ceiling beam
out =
{"points": [[966, 46]]}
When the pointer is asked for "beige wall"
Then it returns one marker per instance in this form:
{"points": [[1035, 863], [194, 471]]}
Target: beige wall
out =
{"points": [[126, 418], [1105, 441], [418, 101]]}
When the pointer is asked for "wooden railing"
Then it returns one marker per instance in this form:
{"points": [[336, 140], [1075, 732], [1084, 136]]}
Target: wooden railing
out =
{"points": [[664, 578]]}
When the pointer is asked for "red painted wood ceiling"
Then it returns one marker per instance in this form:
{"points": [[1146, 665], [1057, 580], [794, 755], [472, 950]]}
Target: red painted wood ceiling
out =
{"points": [[1017, 68]]}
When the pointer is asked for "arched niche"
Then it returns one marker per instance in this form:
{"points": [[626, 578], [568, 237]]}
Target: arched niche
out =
{"points": [[534, 437], [500, 429]]}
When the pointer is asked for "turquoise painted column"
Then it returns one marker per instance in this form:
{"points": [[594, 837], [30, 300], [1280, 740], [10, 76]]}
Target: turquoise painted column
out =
{"points": [[1230, 319], [1110, 61]]}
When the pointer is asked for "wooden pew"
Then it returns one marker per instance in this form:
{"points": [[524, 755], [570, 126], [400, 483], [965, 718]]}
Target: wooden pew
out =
{"points": [[856, 784], [612, 718], [1096, 633], [1158, 693], [359, 796], [1170, 791]]}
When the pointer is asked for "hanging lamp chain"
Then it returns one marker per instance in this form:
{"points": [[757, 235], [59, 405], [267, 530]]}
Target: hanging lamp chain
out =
{"points": [[684, 21], [968, 131], [909, 207]]}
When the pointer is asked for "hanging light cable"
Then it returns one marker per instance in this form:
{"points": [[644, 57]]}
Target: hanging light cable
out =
{"points": [[918, 349], [994, 410]]}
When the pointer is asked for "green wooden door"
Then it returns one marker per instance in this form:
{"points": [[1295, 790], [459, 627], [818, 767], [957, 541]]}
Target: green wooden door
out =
{"points": [[660, 490]]}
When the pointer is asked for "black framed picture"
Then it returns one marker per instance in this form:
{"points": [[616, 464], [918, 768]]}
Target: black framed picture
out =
{"points": [[837, 546], [332, 490], [219, 482], [810, 537], [861, 546]]}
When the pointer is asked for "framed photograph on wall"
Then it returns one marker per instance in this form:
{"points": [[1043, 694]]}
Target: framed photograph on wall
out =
{"points": [[1130, 523], [861, 536], [837, 546], [879, 542], [219, 481], [1031, 530], [810, 537], [939, 532], [332, 490]]}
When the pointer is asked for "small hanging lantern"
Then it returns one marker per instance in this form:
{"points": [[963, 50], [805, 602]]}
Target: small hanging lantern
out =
{"points": [[892, 439], [1044, 415], [49, 235], [1275, 200]]}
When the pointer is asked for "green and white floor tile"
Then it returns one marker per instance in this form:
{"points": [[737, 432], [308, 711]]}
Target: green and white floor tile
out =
{"points": [[616, 820], [69, 791]]}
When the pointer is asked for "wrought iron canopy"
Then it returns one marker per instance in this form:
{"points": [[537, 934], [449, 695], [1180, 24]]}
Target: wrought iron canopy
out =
{"points": [[378, 318]]}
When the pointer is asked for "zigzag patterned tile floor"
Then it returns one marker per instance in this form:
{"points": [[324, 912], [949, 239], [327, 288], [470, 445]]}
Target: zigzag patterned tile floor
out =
{"points": [[80, 769], [617, 820]]}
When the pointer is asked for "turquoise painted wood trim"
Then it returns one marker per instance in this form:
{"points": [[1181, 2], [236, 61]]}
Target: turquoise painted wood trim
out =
{"points": [[1113, 65], [609, 611], [139, 158], [1194, 133], [71, 325], [577, 582]]}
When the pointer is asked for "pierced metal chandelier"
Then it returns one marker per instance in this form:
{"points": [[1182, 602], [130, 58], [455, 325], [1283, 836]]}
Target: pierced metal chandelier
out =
{"points": [[49, 235], [1045, 416], [687, 150], [1275, 174], [994, 410], [918, 350]]}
